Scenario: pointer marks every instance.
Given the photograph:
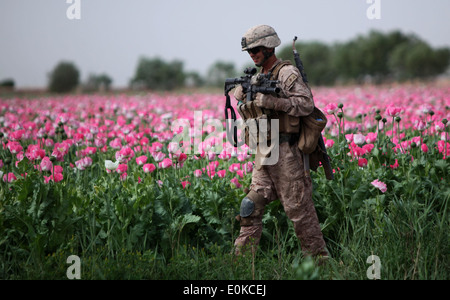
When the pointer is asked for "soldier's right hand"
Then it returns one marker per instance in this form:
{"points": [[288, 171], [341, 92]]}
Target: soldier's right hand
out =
{"points": [[239, 93]]}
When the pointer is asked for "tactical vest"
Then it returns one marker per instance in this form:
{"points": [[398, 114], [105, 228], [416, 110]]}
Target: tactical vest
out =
{"points": [[249, 112]]}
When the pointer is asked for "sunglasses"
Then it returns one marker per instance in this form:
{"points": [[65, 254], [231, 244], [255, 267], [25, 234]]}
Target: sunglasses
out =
{"points": [[254, 50]]}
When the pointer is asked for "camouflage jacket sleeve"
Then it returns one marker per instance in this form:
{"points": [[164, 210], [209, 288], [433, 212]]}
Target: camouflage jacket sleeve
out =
{"points": [[295, 91]]}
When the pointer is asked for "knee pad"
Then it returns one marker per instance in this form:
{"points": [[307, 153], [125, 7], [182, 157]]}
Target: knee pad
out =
{"points": [[247, 207], [252, 209]]}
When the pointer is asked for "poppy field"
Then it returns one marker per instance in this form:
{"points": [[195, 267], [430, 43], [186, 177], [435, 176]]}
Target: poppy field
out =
{"points": [[147, 186]]}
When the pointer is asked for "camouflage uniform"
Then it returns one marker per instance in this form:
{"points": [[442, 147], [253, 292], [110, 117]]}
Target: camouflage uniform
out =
{"points": [[286, 179]]}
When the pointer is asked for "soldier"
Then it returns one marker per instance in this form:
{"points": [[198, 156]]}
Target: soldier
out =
{"points": [[285, 180]]}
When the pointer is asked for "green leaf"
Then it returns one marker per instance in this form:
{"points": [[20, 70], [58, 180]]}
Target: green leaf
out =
{"points": [[190, 218]]}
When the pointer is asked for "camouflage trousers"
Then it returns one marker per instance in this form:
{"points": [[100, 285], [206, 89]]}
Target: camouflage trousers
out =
{"points": [[287, 182]]}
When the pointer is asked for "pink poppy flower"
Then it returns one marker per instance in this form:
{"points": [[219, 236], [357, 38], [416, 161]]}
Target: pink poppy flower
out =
{"points": [[395, 165], [14, 147], [234, 167], [359, 139], [248, 167], [420, 125], [149, 168], [211, 155], [156, 146], [166, 163], [379, 185], [60, 149], [224, 155], [17, 135], [10, 177], [57, 177], [368, 148], [222, 173], [371, 137], [122, 168], [329, 143], [362, 162], [46, 164], [185, 183], [90, 150], [182, 157], [57, 169], [393, 111], [235, 182], [158, 156], [125, 154], [331, 108], [34, 152], [141, 160], [173, 147]]}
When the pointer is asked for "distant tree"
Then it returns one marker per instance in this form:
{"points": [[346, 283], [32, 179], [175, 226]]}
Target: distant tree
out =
{"points": [[100, 82], [367, 56], [416, 59], [157, 74], [317, 61], [194, 79], [7, 83], [64, 77], [219, 71]]}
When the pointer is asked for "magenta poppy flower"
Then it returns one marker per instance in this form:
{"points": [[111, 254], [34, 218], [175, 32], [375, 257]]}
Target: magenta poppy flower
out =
{"points": [[235, 182], [141, 160], [122, 168], [362, 162], [198, 173], [46, 164], [149, 168], [166, 163], [222, 173]]}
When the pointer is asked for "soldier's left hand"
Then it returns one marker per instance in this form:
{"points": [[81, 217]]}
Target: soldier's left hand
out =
{"points": [[265, 101], [268, 101]]}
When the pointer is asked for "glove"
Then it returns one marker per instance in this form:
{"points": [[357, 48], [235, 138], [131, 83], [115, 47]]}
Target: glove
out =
{"points": [[270, 102], [239, 93]]}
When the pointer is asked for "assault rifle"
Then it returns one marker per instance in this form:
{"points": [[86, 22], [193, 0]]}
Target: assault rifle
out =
{"points": [[251, 84], [326, 160]]}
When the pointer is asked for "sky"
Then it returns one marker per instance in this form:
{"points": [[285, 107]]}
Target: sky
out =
{"points": [[111, 35]]}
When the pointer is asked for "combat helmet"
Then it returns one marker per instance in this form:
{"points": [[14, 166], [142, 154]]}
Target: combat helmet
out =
{"points": [[260, 35]]}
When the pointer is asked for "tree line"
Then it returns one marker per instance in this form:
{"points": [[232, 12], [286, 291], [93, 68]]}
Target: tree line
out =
{"points": [[375, 57]]}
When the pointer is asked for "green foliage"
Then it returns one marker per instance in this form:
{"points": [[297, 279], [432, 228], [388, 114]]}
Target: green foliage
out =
{"points": [[7, 83], [97, 83], [416, 59], [317, 60], [379, 57], [156, 74], [131, 230], [220, 71], [64, 77], [150, 226]]}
